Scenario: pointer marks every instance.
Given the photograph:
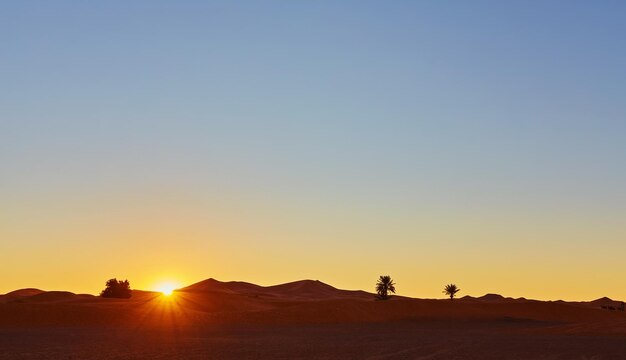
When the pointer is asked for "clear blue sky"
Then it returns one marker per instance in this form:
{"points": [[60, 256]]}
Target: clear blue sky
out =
{"points": [[483, 132]]}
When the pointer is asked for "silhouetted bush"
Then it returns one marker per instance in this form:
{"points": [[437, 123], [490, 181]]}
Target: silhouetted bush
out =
{"points": [[384, 285], [117, 289]]}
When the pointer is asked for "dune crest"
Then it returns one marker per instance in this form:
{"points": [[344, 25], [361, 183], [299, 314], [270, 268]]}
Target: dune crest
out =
{"points": [[296, 290], [304, 301], [24, 292]]}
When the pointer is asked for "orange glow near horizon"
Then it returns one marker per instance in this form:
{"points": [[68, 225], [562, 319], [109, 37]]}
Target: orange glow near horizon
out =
{"points": [[167, 288], [516, 256]]}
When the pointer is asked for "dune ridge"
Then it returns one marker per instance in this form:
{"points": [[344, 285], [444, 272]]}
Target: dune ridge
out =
{"points": [[299, 302], [296, 290], [233, 320]]}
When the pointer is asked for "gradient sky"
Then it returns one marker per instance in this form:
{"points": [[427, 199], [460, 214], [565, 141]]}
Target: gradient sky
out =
{"points": [[481, 143]]}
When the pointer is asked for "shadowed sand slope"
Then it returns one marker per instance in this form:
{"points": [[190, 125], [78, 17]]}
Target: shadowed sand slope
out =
{"points": [[297, 290], [300, 302], [19, 294], [302, 319], [24, 292]]}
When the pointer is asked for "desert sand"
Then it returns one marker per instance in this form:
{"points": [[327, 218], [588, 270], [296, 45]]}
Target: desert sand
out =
{"points": [[304, 319]]}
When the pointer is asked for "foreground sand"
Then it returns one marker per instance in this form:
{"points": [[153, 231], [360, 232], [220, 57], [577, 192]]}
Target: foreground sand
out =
{"points": [[213, 320]]}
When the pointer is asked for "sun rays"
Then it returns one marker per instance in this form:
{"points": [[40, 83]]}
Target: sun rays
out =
{"points": [[167, 288], [163, 312]]}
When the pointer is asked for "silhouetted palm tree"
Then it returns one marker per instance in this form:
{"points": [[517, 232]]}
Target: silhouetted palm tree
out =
{"points": [[384, 285], [451, 290]]}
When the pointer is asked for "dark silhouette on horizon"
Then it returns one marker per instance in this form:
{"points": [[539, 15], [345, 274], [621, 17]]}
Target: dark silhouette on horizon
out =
{"points": [[117, 289], [385, 285], [451, 290]]}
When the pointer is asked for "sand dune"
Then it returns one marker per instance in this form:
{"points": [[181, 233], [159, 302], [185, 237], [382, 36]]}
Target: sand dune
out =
{"points": [[211, 284], [54, 296], [297, 290], [303, 306], [305, 301], [18, 294], [24, 292]]}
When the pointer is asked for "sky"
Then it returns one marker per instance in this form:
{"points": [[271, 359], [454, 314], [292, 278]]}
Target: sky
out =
{"points": [[478, 143]]}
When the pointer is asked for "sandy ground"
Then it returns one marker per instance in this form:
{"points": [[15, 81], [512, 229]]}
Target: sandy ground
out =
{"points": [[403, 340], [242, 322]]}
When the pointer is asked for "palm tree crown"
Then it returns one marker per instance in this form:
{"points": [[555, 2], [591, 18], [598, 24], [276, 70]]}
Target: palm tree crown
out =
{"points": [[451, 290], [384, 285]]}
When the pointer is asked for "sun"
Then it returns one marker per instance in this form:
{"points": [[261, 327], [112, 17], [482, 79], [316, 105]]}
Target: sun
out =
{"points": [[167, 288]]}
